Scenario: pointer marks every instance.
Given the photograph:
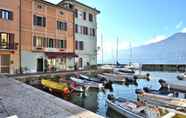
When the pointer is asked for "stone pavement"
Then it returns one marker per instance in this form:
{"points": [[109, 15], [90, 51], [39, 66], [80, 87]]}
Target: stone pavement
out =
{"points": [[19, 99]]}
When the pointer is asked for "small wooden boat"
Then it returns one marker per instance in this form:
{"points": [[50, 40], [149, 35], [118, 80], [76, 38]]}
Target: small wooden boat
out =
{"points": [[135, 109], [55, 86], [161, 100], [87, 84]]}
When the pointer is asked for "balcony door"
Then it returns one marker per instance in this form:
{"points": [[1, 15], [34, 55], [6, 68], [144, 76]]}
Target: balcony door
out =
{"points": [[4, 39]]}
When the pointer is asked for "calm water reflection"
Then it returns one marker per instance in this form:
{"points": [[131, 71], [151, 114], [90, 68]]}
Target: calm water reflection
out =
{"points": [[96, 100]]}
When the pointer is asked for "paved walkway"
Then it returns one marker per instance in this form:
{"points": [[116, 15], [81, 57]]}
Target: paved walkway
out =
{"points": [[19, 99]]}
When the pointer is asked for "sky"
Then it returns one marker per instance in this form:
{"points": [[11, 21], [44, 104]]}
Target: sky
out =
{"points": [[139, 22]]}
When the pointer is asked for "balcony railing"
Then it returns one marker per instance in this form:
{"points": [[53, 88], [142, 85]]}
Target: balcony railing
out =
{"points": [[8, 46]]}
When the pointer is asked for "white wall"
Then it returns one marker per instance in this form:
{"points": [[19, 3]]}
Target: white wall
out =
{"points": [[89, 53], [29, 60]]}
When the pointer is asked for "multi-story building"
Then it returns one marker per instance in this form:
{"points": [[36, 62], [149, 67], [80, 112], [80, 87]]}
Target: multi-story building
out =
{"points": [[38, 36], [9, 35], [85, 32], [35, 36], [47, 36]]}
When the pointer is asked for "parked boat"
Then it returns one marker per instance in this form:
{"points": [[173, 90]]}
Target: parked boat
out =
{"points": [[85, 83], [135, 109], [56, 86], [110, 78], [162, 100], [78, 88], [182, 76], [123, 71], [176, 85], [84, 77]]}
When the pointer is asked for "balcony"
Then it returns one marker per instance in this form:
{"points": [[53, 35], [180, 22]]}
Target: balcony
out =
{"points": [[8, 46]]}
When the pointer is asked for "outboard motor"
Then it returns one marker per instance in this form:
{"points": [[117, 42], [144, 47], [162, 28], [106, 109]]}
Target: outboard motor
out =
{"points": [[108, 85], [111, 97], [146, 89], [135, 77], [139, 91], [148, 76]]}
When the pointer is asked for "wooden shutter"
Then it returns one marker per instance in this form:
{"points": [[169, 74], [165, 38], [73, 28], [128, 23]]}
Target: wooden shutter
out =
{"points": [[11, 41], [35, 19], [0, 13], [65, 43], [44, 21], [34, 41], [10, 15], [65, 26]]}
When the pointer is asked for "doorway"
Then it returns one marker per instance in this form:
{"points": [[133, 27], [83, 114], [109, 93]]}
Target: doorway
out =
{"points": [[5, 63], [80, 62], [40, 65]]}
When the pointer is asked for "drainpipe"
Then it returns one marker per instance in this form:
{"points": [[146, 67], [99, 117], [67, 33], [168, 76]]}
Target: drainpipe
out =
{"points": [[20, 60]]}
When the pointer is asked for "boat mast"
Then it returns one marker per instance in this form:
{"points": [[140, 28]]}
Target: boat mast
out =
{"points": [[117, 50], [130, 59], [102, 48]]}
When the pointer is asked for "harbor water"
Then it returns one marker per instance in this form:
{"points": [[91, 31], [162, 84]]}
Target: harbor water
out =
{"points": [[95, 100]]}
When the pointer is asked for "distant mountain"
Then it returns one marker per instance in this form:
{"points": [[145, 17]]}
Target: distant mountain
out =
{"points": [[169, 51]]}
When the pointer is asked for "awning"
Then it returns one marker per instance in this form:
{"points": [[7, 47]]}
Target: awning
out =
{"points": [[59, 55]]}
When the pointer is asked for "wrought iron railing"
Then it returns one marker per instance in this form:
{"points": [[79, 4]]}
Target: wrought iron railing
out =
{"points": [[8, 46]]}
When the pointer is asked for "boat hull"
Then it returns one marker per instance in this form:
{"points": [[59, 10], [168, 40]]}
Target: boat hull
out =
{"points": [[123, 111]]}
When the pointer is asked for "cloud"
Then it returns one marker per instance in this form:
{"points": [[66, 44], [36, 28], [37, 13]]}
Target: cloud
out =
{"points": [[179, 25], [183, 30], [156, 39]]}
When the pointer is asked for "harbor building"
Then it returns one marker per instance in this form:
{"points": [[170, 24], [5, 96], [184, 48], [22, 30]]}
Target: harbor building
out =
{"points": [[85, 32], [35, 36]]}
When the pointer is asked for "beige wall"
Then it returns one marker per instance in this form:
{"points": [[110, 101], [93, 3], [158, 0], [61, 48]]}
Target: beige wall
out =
{"points": [[52, 14]]}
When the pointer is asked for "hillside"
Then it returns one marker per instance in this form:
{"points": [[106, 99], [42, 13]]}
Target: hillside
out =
{"points": [[169, 51]]}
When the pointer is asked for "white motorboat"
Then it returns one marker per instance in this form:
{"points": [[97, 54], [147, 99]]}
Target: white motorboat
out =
{"points": [[162, 100], [90, 84], [135, 109]]}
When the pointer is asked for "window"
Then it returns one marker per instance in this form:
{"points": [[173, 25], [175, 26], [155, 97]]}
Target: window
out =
{"points": [[62, 44], [50, 43], [84, 15], [76, 13], [76, 28], [90, 17], [38, 41], [79, 45], [61, 12], [6, 40], [85, 30], [5, 14], [61, 25], [92, 32], [39, 21], [76, 45]]}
